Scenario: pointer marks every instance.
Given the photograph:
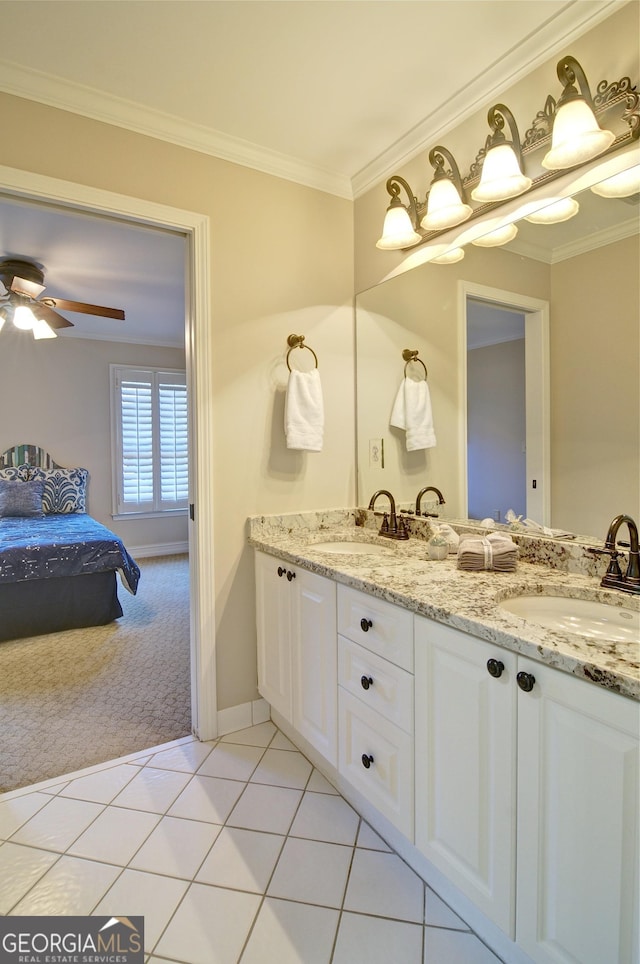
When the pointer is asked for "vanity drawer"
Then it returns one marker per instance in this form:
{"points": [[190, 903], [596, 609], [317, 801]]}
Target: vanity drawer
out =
{"points": [[376, 757], [377, 682], [378, 625]]}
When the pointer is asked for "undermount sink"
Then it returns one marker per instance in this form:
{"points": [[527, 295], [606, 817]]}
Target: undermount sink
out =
{"points": [[353, 548], [595, 620]]}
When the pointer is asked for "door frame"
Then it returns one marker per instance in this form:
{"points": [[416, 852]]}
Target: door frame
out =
{"points": [[538, 406], [199, 364]]}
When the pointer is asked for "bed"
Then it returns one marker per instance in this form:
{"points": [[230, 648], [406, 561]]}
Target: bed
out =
{"points": [[58, 565]]}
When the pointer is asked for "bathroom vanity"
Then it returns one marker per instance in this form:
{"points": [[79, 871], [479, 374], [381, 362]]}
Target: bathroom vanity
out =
{"points": [[498, 757]]}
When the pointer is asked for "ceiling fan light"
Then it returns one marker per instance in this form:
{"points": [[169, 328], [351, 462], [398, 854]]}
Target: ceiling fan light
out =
{"points": [[445, 207], [501, 176], [624, 184], [2, 320], [555, 212], [577, 137], [495, 238], [41, 329], [23, 318], [397, 231]]}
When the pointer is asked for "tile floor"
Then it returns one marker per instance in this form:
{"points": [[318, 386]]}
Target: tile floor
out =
{"points": [[236, 850]]}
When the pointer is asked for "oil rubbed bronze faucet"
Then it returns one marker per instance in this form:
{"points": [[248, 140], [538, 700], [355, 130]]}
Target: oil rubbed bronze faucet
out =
{"points": [[613, 578], [390, 527], [429, 488]]}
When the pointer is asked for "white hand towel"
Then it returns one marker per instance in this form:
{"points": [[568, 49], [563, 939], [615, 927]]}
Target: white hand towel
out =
{"points": [[304, 411], [412, 412]]}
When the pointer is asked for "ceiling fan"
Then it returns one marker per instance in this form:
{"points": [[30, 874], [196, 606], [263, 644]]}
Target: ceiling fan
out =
{"points": [[23, 283]]}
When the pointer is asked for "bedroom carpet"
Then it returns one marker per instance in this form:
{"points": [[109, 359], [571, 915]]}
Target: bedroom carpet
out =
{"points": [[73, 699]]}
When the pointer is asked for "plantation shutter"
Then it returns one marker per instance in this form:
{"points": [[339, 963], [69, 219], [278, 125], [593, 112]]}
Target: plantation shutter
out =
{"points": [[152, 458]]}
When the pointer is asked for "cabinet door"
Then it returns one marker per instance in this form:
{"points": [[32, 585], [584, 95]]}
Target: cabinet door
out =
{"points": [[578, 783], [465, 765], [314, 651], [274, 594]]}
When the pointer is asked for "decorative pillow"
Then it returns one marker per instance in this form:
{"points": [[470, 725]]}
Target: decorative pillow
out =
{"points": [[14, 473], [21, 498], [65, 490]]}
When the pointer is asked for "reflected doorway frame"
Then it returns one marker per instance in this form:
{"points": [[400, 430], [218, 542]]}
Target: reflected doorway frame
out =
{"points": [[199, 358], [538, 405]]}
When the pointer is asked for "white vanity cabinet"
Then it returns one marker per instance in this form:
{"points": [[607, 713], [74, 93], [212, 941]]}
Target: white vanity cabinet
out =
{"points": [[297, 655], [531, 792], [375, 703]]}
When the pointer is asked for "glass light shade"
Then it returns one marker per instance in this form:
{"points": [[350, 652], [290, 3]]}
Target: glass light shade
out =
{"points": [[577, 137], [2, 321], [42, 330], [24, 318], [623, 184], [451, 257], [445, 207], [398, 230], [495, 238], [501, 176], [555, 212]]}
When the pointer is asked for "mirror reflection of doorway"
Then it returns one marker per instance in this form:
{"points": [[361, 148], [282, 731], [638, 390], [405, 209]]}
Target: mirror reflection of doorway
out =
{"points": [[496, 410]]}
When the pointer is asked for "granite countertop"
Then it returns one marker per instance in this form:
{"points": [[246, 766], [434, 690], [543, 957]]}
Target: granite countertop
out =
{"points": [[468, 601]]}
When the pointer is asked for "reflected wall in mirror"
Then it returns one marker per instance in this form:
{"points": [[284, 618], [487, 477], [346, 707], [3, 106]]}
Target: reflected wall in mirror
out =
{"points": [[586, 271]]}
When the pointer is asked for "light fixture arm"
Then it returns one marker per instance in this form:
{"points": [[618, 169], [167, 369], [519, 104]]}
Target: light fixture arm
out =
{"points": [[569, 71], [394, 183], [496, 117], [437, 157]]}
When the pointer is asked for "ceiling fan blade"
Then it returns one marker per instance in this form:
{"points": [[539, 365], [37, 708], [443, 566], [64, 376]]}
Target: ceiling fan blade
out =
{"points": [[84, 309], [52, 318], [25, 286]]}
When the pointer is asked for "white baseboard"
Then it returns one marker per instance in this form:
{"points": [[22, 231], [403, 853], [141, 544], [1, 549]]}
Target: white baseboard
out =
{"points": [[242, 715], [162, 549]]}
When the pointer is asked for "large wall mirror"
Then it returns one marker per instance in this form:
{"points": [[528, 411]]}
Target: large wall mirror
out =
{"points": [[532, 355]]}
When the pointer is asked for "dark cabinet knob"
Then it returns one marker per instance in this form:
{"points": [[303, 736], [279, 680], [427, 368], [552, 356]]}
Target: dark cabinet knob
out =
{"points": [[495, 667], [365, 625], [366, 682], [526, 681], [367, 760], [281, 571], [290, 575]]}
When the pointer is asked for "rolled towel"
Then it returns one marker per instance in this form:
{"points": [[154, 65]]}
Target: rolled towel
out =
{"points": [[494, 551], [412, 412], [304, 411]]}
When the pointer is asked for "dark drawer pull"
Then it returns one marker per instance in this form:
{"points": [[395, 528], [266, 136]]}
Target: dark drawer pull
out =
{"points": [[366, 682], [291, 575], [365, 625], [367, 760], [281, 571], [495, 667], [526, 681]]}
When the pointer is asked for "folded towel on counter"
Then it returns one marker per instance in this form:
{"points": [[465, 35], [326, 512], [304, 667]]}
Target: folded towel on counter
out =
{"points": [[304, 411], [494, 551], [529, 524], [412, 412]]}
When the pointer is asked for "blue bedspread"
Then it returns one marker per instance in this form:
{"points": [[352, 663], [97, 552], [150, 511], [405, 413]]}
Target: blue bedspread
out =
{"points": [[62, 544]]}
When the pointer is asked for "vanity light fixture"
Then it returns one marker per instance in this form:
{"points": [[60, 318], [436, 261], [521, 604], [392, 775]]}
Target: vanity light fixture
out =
{"points": [[451, 257], [497, 237], [400, 221], [624, 184], [577, 136], [502, 176], [554, 211], [445, 201]]}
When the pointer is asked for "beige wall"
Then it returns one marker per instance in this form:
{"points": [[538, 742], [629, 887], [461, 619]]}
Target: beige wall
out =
{"points": [[595, 386], [281, 262], [55, 394]]}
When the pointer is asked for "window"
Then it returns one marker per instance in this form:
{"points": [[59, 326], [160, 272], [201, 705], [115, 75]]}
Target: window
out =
{"points": [[150, 434]]}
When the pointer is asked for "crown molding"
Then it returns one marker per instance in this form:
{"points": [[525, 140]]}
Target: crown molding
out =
{"points": [[597, 239], [108, 109], [531, 53]]}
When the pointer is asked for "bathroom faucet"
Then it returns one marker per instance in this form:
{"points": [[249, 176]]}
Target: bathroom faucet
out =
{"points": [[613, 578], [428, 488], [389, 527]]}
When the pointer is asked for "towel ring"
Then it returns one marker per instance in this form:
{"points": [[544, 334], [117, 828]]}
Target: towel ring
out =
{"points": [[412, 356], [297, 341]]}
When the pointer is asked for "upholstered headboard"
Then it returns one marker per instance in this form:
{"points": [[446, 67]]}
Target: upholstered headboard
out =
{"points": [[31, 455]]}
